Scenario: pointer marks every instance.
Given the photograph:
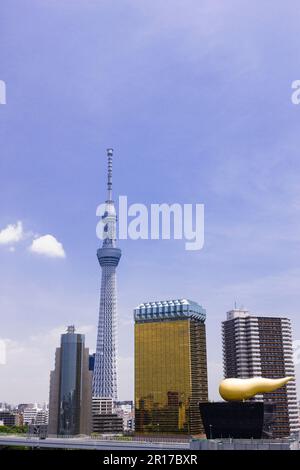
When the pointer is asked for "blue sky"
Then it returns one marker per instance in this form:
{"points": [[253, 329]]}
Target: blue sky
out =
{"points": [[195, 98]]}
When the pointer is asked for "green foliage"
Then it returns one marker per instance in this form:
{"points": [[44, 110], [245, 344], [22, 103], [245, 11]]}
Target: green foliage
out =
{"points": [[13, 429]]}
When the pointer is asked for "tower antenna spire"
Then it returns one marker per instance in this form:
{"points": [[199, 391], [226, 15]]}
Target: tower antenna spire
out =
{"points": [[109, 173]]}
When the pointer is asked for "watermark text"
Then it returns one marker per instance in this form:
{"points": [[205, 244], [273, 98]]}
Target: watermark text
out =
{"points": [[2, 92], [154, 222]]}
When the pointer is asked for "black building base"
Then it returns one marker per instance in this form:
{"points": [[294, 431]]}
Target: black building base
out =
{"points": [[239, 420]]}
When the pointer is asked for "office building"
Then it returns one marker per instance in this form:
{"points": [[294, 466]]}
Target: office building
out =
{"points": [[30, 414], [105, 419], [42, 417], [262, 347], [107, 424], [170, 367], [70, 403], [103, 406], [33, 413], [105, 368], [8, 418]]}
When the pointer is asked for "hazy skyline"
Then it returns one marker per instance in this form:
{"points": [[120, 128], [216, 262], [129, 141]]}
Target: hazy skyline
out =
{"points": [[195, 99]]}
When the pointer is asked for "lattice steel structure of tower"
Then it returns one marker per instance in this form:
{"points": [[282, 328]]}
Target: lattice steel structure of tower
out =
{"points": [[105, 368]]}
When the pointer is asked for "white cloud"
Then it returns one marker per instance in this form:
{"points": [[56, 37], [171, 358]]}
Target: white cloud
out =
{"points": [[11, 234], [48, 245]]}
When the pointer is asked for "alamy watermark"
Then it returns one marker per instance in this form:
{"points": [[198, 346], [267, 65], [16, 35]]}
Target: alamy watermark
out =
{"points": [[2, 92], [295, 97], [154, 222], [2, 352]]}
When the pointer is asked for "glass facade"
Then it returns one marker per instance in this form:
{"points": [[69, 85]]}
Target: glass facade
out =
{"points": [[170, 368], [72, 348]]}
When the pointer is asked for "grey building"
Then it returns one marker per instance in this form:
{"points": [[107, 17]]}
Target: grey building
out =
{"points": [[104, 418], [107, 424], [70, 403], [262, 347]]}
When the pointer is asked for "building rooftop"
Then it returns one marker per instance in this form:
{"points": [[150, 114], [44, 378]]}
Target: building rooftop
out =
{"points": [[242, 313], [169, 310], [238, 313]]}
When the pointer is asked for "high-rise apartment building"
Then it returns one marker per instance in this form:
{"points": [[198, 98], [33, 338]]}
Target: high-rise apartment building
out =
{"points": [[70, 403], [105, 369], [170, 367], [262, 347]]}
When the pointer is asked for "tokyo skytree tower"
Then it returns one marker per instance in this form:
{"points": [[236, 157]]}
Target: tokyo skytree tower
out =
{"points": [[105, 367]]}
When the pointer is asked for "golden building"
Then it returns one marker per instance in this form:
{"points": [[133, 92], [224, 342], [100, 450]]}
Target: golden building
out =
{"points": [[170, 367]]}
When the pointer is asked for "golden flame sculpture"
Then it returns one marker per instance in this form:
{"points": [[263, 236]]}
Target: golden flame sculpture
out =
{"points": [[242, 389]]}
